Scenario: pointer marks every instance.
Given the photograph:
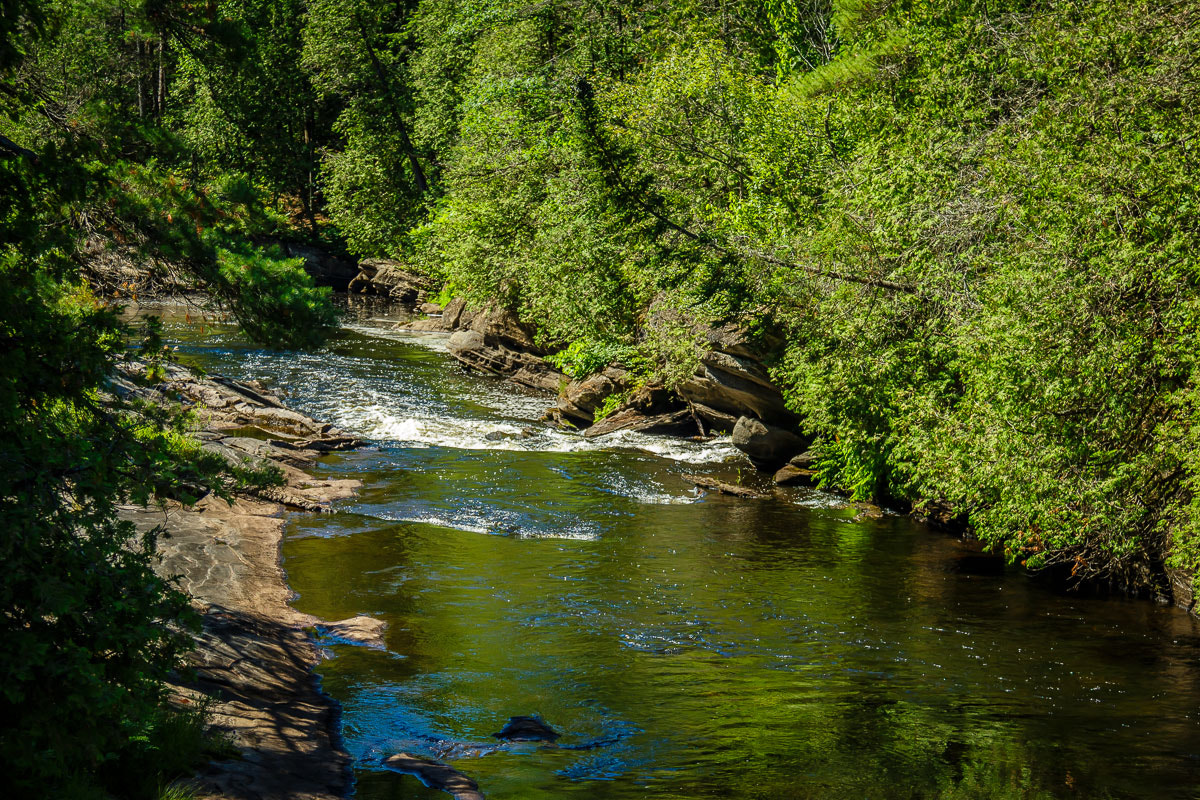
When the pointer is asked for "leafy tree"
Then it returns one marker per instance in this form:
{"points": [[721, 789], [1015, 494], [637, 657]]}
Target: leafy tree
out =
{"points": [[92, 630]]}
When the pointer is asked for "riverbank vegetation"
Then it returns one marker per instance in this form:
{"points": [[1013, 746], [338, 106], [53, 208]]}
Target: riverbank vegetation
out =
{"points": [[973, 225]]}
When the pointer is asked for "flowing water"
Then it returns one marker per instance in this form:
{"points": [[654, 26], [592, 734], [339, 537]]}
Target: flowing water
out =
{"points": [[687, 645]]}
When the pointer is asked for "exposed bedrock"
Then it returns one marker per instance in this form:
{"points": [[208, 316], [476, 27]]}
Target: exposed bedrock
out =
{"points": [[581, 399], [496, 342], [649, 409], [253, 660], [732, 382], [390, 279]]}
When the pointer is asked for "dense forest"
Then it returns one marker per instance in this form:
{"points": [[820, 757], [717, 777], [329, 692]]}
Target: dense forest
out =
{"points": [[971, 224]]}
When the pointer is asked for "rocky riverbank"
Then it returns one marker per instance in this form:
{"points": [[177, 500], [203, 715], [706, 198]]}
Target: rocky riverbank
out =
{"points": [[254, 658]]}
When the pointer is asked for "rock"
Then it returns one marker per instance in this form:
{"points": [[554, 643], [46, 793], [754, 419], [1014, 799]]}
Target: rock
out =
{"points": [[1183, 592], [389, 278], [712, 484], [495, 344], [501, 327], [581, 398], [867, 511], [429, 308], [805, 460], [435, 775], [253, 660], [455, 314], [631, 419], [767, 446], [715, 422], [732, 382], [527, 729], [362, 630], [650, 409], [789, 475]]}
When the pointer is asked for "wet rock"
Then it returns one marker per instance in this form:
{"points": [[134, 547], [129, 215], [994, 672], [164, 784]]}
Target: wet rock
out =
{"points": [[362, 630], [712, 484], [768, 446], [435, 775], [500, 436], [527, 729], [630, 419], [390, 279], [650, 409], [789, 475], [867, 511]]}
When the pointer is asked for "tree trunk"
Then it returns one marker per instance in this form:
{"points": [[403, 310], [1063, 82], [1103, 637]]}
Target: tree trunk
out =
{"points": [[402, 129], [161, 99], [141, 72]]}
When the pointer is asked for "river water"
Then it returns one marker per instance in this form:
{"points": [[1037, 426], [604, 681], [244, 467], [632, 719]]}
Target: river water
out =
{"points": [[686, 645]]}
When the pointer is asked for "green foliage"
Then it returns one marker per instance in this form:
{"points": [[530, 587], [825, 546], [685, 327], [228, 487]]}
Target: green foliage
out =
{"points": [[89, 165], [586, 356], [377, 181], [173, 744], [610, 404]]}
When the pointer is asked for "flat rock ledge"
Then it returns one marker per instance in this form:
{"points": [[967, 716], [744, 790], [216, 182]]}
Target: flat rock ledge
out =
{"points": [[255, 655]]}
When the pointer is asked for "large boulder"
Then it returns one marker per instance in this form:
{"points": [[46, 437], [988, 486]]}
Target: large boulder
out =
{"points": [[769, 447], [500, 326]]}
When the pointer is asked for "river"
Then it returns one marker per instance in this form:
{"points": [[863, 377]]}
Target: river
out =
{"points": [[686, 645]]}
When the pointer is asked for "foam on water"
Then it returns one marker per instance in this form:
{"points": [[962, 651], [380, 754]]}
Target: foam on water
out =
{"points": [[409, 422], [412, 428]]}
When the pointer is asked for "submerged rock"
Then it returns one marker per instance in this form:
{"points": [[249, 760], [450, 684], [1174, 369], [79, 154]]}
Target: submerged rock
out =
{"points": [[527, 729], [714, 485], [435, 775]]}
